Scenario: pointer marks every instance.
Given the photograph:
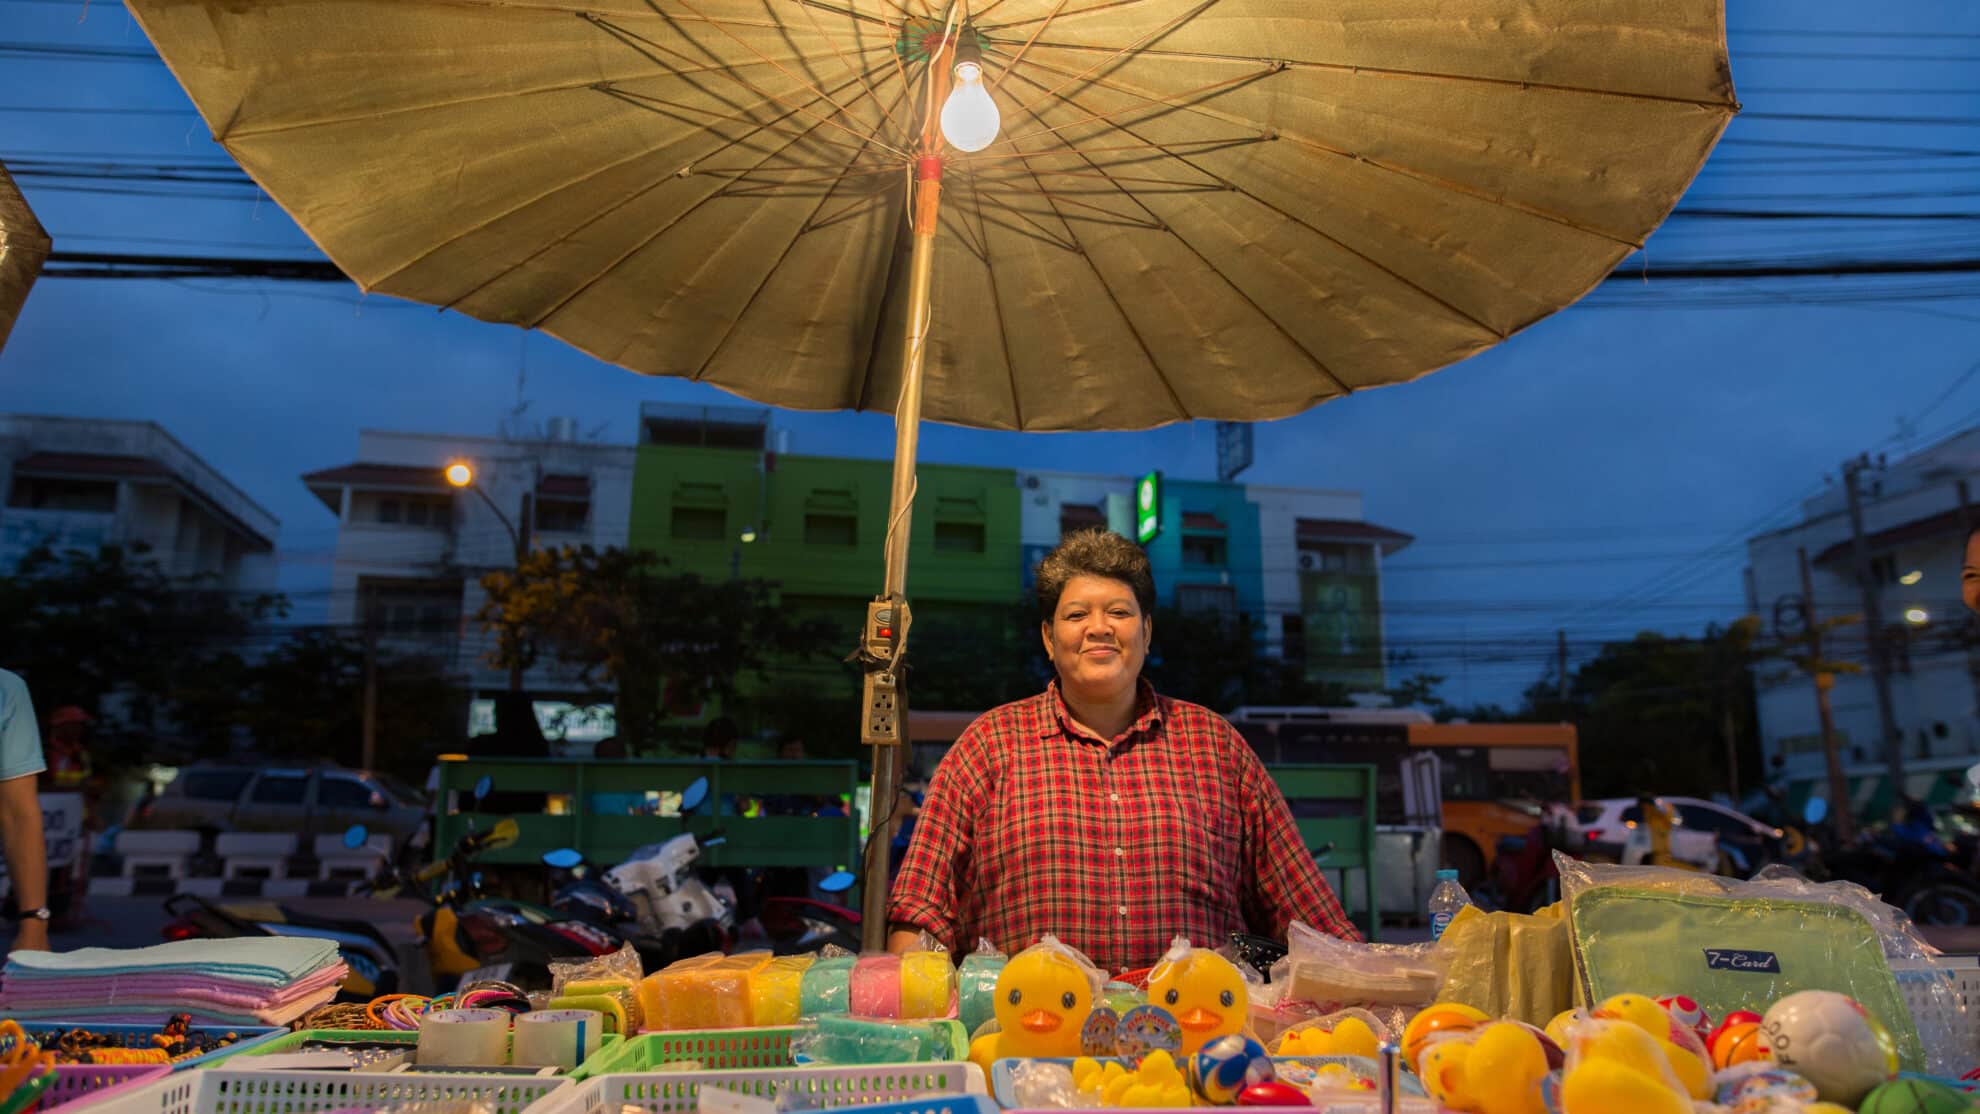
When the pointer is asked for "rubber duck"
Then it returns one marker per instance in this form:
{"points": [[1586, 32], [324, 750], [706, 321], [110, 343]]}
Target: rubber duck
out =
{"points": [[1350, 1036], [1621, 1069], [1043, 996], [1506, 1065], [1203, 990], [1682, 1049]]}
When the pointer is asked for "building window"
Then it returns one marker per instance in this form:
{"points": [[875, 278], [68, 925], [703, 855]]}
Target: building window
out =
{"points": [[1336, 557], [1884, 569], [1074, 517], [1207, 599], [562, 516], [699, 523], [958, 537], [830, 529], [1292, 637], [35, 493], [416, 511], [1204, 551], [389, 511]]}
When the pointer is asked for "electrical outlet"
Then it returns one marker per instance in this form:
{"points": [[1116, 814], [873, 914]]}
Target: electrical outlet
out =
{"points": [[880, 723]]}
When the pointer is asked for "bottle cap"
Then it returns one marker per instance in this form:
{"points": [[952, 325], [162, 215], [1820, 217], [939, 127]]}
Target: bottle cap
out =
{"points": [[1447, 876]]}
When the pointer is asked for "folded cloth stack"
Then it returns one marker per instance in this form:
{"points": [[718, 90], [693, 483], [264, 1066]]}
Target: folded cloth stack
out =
{"points": [[253, 981]]}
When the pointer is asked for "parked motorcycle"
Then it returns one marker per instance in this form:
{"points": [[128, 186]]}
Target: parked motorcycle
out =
{"points": [[800, 925], [1907, 865]]}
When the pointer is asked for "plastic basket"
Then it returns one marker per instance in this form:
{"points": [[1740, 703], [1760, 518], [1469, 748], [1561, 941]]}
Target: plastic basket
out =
{"points": [[79, 1085], [291, 1042], [139, 1036], [1957, 1017], [1006, 1093], [231, 1091], [713, 1049], [901, 1087]]}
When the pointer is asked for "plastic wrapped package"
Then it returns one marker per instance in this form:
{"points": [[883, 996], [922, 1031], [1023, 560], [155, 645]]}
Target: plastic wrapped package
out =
{"points": [[701, 992], [976, 985], [875, 989], [839, 1040], [1350, 1032], [826, 985], [1732, 945], [928, 985], [776, 990], [1392, 981], [1617, 1065], [1043, 999], [1508, 964], [1044, 1085]]}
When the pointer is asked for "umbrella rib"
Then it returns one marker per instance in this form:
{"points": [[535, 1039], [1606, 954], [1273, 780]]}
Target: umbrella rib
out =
{"points": [[1134, 47], [622, 34], [1290, 217], [511, 211], [996, 297], [769, 272], [998, 81], [1400, 72], [1179, 100], [812, 17], [654, 104], [1412, 173], [1055, 152], [1079, 249]]}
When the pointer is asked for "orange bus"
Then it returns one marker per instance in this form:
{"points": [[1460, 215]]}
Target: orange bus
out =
{"points": [[1494, 777]]}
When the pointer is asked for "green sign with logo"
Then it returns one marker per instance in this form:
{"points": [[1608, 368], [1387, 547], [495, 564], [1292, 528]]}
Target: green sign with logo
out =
{"points": [[1148, 507]]}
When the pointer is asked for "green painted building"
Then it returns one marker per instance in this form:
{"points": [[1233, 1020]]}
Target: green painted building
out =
{"points": [[712, 496]]}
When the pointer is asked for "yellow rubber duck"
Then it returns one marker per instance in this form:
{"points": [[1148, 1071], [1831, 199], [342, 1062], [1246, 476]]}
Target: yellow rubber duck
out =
{"points": [[1204, 991], [1351, 1036], [1043, 997]]}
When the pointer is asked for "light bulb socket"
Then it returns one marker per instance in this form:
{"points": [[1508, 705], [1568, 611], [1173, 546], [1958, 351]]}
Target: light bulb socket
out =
{"points": [[968, 51]]}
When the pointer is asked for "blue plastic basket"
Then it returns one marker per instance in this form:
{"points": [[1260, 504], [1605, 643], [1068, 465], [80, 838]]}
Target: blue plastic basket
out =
{"points": [[1006, 1093], [139, 1036]]}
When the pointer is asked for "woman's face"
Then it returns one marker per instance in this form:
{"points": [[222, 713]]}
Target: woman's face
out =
{"points": [[1097, 637]]}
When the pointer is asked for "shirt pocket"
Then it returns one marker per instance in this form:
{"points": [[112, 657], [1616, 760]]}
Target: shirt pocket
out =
{"points": [[1203, 841]]}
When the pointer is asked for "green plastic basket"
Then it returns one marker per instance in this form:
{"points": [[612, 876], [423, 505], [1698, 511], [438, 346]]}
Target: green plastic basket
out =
{"points": [[716, 1049], [294, 1042]]}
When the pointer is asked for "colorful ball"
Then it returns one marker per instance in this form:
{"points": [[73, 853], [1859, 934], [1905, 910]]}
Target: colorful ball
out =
{"points": [[1688, 1013], [1738, 1043], [1734, 1017], [1830, 1039], [1915, 1096], [1755, 1092], [1226, 1066], [1272, 1094], [1437, 1020]]}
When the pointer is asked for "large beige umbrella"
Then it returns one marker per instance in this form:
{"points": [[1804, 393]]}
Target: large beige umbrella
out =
{"points": [[24, 246], [1230, 209]]}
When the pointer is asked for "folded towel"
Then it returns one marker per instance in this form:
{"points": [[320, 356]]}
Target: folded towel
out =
{"points": [[99, 989], [274, 960], [149, 1010]]}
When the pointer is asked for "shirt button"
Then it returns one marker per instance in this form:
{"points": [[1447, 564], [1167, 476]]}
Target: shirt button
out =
{"points": [[1119, 851], [1114, 797], [1123, 910]]}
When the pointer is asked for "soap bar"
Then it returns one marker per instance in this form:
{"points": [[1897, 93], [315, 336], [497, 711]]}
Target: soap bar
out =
{"points": [[622, 991], [928, 985], [701, 992], [776, 990], [976, 988], [850, 1040], [876, 987], [610, 1008], [826, 985]]}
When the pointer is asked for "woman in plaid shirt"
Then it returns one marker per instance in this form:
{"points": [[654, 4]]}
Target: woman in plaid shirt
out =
{"points": [[1098, 810]]}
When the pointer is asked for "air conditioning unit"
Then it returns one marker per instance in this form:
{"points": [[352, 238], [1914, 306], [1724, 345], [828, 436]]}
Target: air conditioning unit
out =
{"points": [[1309, 561]]}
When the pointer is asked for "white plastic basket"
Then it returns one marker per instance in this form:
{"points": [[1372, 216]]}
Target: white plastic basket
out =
{"points": [[230, 1091], [1957, 1015], [812, 1088]]}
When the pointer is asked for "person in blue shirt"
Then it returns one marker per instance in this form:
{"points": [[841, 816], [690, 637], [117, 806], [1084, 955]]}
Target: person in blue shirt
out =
{"points": [[21, 839]]}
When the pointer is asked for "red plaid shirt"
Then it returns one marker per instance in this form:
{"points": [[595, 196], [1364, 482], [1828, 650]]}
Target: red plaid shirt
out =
{"points": [[1034, 826]]}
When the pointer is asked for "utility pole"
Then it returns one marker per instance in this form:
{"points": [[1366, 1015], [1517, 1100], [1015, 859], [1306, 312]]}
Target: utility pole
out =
{"points": [[1825, 679], [1560, 655], [369, 753], [522, 538], [1873, 629]]}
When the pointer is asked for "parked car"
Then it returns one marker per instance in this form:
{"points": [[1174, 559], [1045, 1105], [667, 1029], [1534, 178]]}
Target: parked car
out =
{"points": [[1707, 835], [309, 801]]}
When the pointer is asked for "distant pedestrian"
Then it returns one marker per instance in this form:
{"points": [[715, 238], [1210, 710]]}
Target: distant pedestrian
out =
{"points": [[21, 837]]}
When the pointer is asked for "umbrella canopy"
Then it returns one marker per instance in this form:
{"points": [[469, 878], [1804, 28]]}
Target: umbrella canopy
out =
{"points": [[24, 246], [1196, 209]]}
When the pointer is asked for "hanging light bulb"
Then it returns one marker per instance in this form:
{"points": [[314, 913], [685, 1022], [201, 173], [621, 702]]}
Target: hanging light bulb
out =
{"points": [[969, 117]]}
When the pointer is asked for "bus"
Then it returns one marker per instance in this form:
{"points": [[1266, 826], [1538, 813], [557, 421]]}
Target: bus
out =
{"points": [[1494, 777]]}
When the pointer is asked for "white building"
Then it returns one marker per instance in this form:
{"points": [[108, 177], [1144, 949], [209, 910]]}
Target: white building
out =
{"points": [[411, 548], [1915, 527], [83, 483]]}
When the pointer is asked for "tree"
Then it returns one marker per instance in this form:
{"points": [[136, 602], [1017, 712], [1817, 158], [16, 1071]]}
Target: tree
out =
{"points": [[111, 629], [628, 630], [304, 700]]}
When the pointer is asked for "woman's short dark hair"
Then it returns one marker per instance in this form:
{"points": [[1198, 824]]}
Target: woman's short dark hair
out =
{"points": [[1094, 552]]}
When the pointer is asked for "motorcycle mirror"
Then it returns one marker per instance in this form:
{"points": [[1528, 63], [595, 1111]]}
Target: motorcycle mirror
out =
{"points": [[483, 787], [354, 836], [1815, 810], [563, 858], [503, 834], [695, 793], [715, 841], [837, 882]]}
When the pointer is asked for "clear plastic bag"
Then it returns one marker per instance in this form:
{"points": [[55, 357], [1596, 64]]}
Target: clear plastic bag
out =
{"points": [[1765, 938], [1392, 981]]}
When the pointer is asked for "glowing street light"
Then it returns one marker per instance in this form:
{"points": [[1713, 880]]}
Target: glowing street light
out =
{"points": [[460, 473], [1917, 616]]}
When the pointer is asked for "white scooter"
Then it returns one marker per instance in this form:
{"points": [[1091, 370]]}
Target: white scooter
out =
{"points": [[663, 884]]}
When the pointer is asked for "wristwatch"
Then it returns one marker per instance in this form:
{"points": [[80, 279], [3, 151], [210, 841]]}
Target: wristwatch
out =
{"points": [[42, 914]]}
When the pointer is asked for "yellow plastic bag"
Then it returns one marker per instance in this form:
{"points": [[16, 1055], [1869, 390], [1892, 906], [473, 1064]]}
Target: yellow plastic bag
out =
{"points": [[1508, 964]]}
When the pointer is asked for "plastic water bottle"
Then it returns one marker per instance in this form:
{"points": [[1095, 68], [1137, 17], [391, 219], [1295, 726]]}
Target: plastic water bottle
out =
{"points": [[1445, 901]]}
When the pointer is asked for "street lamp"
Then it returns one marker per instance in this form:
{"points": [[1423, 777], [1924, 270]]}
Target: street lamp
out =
{"points": [[460, 474]]}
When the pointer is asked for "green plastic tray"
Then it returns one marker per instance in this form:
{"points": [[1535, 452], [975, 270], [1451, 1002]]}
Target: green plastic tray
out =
{"points": [[716, 1049], [293, 1042]]}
